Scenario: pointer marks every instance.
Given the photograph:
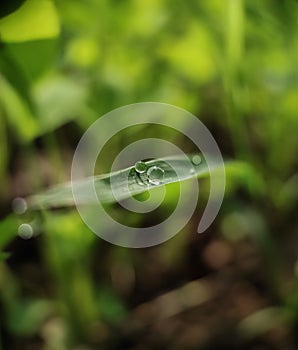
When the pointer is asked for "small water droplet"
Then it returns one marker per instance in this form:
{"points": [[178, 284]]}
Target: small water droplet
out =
{"points": [[155, 175], [192, 171], [25, 231], [196, 159], [19, 205], [140, 167]]}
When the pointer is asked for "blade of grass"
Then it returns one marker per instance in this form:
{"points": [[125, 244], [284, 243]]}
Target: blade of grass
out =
{"points": [[124, 183]]}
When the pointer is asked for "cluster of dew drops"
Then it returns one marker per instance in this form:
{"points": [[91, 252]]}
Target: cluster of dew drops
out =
{"points": [[148, 175], [154, 174]]}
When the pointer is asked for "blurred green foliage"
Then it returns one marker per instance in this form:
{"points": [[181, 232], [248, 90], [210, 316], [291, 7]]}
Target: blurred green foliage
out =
{"points": [[63, 64]]}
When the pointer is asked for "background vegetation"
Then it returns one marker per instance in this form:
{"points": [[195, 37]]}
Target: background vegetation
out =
{"points": [[233, 63]]}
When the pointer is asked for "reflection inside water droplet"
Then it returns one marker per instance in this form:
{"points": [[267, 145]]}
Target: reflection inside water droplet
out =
{"points": [[196, 159], [155, 175], [140, 167], [25, 231], [19, 205]]}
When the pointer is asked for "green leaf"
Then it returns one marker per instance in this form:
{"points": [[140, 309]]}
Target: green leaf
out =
{"points": [[27, 316], [18, 112], [31, 58], [242, 173], [111, 306], [13, 73], [35, 19], [125, 183], [58, 99], [8, 230]]}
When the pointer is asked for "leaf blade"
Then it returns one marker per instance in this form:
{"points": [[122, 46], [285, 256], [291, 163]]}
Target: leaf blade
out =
{"points": [[124, 183]]}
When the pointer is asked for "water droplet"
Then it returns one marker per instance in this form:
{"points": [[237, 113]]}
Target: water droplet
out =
{"points": [[196, 159], [19, 205], [192, 171], [25, 231], [155, 175], [140, 167]]}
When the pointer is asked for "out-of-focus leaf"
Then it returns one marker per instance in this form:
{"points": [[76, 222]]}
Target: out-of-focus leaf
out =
{"points": [[26, 317], [83, 52], [31, 57], [8, 230], [192, 55], [73, 229], [35, 19], [23, 62], [58, 100], [17, 112], [4, 155], [10, 69], [111, 307], [241, 173]]}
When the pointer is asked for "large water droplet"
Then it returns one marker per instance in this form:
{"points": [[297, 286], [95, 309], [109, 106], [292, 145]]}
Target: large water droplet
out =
{"points": [[19, 205], [196, 159], [140, 167], [25, 231], [155, 175]]}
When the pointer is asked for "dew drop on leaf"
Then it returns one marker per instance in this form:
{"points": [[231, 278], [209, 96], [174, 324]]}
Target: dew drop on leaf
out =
{"points": [[140, 167], [19, 205], [155, 175], [196, 159], [25, 231]]}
